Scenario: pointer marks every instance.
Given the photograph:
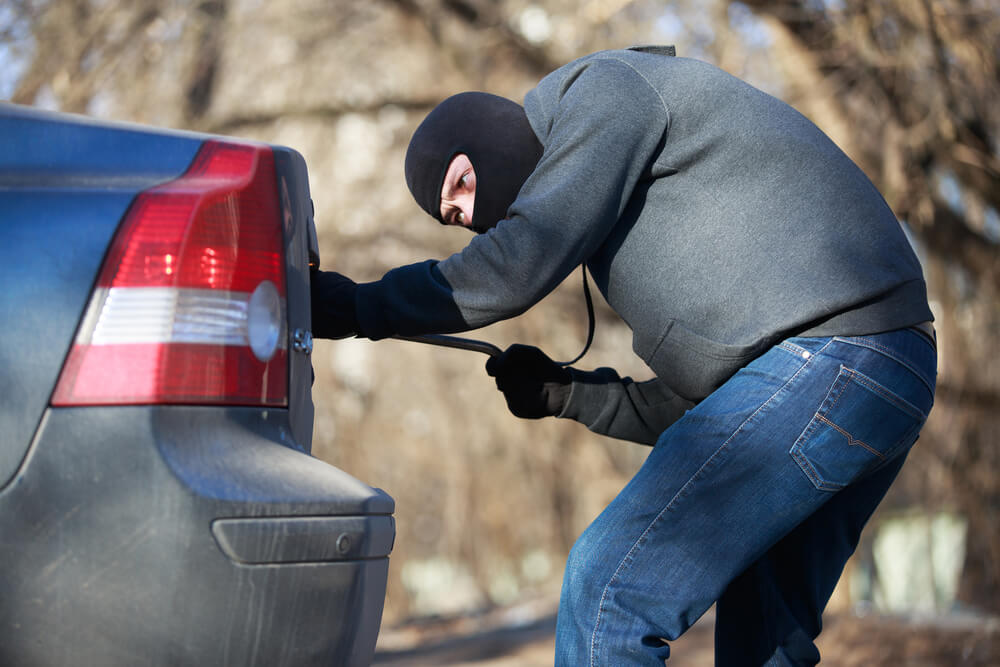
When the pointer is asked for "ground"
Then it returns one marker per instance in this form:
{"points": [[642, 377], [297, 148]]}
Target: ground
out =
{"points": [[523, 637]]}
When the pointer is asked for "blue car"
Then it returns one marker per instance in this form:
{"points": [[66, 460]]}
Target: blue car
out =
{"points": [[158, 501]]}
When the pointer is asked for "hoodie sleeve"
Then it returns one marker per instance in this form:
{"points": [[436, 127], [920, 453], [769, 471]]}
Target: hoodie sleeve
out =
{"points": [[622, 408], [605, 123]]}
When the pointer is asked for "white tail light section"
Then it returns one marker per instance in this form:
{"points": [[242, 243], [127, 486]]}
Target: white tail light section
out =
{"points": [[190, 302]]}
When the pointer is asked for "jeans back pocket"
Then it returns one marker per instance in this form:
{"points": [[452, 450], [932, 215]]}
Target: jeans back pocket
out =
{"points": [[860, 425]]}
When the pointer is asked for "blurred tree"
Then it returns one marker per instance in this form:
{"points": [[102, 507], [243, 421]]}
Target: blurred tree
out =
{"points": [[149, 60]]}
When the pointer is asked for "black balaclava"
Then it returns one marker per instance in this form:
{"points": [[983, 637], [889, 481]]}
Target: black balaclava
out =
{"points": [[494, 133]]}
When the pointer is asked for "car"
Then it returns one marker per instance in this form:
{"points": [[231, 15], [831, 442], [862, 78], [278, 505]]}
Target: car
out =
{"points": [[159, 504]]}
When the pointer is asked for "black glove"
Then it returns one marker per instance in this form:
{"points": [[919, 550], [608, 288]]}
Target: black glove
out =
{"points": [[333, 310], [533, 385]]}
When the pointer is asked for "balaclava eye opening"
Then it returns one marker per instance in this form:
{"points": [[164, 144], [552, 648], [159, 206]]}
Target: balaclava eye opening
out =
{"points": [[494, 133]]}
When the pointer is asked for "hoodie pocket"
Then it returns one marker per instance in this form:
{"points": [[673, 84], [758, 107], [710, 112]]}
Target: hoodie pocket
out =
{"points": [[695, 366]]}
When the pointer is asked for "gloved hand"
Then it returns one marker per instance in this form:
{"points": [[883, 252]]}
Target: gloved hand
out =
{"points": [[533, 385], [333, 310]]}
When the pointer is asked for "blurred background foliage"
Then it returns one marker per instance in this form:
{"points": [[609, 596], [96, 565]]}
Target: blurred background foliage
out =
{"points": [[487, 505]]}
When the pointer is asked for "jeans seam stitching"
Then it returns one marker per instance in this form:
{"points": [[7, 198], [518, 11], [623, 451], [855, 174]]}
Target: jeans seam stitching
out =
{"points": [[886, 393], [807, 467], [681, 493], [832, 397], [791, 347], [863, 341], [800, 457], [851, 440]]}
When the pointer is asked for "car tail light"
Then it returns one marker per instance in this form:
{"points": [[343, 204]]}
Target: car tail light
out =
{"points": [[190, 302]]}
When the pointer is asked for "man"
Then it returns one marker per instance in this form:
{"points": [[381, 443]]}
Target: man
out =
{"points": [[769, 288]]}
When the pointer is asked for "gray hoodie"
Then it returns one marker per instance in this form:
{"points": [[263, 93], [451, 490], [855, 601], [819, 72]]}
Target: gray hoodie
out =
{"points": [[715, 219]]}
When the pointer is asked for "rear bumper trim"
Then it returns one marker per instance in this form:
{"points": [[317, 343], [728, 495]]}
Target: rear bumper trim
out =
{"points": [[266, 540]]}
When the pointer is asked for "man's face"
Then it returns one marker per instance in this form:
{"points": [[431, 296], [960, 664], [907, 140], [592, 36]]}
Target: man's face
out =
{"points": [[458, 192]]}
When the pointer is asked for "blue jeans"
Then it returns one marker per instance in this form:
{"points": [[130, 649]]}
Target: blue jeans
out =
{"points": [[754, 499]]}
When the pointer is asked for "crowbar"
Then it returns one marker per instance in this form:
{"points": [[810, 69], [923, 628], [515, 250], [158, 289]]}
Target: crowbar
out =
{"points": [[454, 341]]}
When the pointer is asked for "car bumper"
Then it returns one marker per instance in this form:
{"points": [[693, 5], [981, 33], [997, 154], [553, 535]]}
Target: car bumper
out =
{"points": [[187, 535]]}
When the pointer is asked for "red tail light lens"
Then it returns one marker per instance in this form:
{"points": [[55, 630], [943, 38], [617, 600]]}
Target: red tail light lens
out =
{"points": [[190, 302]]}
